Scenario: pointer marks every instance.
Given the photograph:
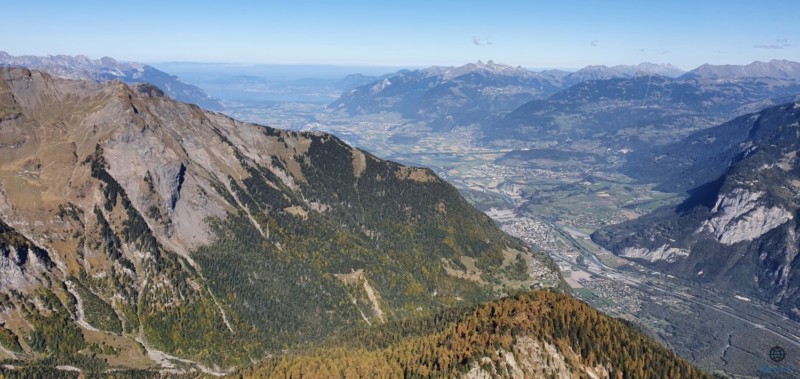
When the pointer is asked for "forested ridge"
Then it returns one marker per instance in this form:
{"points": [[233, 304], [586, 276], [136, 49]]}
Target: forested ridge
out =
{"points": [[395, 229], [454, 342]]}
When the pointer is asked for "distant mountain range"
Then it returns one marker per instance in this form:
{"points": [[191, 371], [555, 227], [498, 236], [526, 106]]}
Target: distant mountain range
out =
{"points": [[649, 68], [621, 71], [738, 229], [774, 69], [103, 69], [638, 112], [450, 95], [515, 103]]}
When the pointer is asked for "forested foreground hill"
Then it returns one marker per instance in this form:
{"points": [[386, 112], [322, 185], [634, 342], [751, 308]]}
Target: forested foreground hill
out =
{"points": [[538, 334], [137, 232]]}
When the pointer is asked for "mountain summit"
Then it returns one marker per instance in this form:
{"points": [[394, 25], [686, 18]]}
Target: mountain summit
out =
{"points": [[489, 67]]}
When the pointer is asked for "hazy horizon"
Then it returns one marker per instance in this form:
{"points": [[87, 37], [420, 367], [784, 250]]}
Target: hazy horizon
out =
{"points": [[325, 71], [408, 34], [188, 64]]}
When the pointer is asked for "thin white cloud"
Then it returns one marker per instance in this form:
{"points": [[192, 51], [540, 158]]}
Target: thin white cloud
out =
{"points": [[478, 42], [774, 47], [780, 43]]}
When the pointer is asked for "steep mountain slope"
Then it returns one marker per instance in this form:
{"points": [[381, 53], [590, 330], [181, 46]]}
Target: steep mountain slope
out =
{"points": [[450, 95], [705, 154], [739, 230], [137, 226], [103, 69], [532, 335]]}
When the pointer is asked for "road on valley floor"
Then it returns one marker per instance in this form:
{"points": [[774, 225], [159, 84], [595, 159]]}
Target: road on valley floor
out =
{"points": [[789, 330]]}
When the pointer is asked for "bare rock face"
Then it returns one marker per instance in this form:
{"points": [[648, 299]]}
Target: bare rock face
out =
{"points": [[738, 217], [663, 253], [23, 265], [530, 358]]}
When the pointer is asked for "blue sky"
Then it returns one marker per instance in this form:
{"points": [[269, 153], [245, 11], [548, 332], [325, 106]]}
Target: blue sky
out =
{"points": [[410, 33]]}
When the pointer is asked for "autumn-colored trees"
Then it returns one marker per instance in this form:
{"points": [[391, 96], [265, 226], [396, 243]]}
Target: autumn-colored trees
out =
{"points": [[582, 336]]}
